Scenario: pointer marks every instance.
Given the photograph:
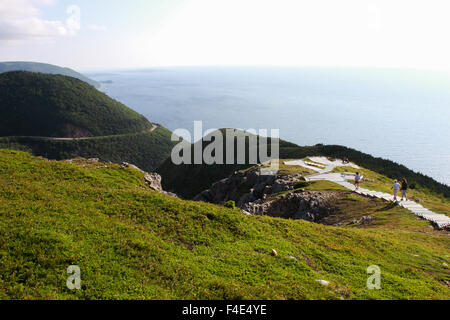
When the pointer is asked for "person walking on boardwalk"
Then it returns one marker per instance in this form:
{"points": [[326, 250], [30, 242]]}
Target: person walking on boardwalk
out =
{"points": [[357, 180], [395, 187], [404, 189]]}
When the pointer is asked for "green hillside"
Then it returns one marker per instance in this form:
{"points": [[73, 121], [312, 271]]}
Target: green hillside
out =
{"points": [[44, 68], [133, 243], [61, 117], [147, 150], [188, 180], [35, 104]]}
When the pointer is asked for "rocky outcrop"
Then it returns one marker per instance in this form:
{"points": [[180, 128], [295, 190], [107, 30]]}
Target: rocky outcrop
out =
{"points": [[153, 180], [271, 195], [246, 186], [306, 205]]}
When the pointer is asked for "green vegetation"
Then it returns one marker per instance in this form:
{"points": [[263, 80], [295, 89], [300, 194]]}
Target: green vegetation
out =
{"points": [[375, 181], [323, 185], [188, 180], [147, 150], [200, 177], [44, 68], [291, 170], [351, 207], [230, 204], [35, 104], [372, 181], [385, 167], [134, 243]]}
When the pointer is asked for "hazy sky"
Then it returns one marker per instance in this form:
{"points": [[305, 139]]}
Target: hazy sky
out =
{"points": [[113, 34]]}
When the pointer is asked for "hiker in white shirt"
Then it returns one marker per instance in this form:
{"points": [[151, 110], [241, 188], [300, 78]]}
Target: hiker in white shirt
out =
{"points": [[357, 180], [395, 187]]}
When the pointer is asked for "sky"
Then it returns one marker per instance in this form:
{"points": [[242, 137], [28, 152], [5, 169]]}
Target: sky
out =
{"points": [[90, 35]]}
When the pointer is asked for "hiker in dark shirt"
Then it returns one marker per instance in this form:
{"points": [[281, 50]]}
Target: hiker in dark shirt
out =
{"points": [[404, 189]]}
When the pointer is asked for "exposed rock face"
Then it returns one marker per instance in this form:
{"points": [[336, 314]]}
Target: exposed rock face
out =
{"points": [[308, 205], [244, 187], [154, 181], [254, 194]]}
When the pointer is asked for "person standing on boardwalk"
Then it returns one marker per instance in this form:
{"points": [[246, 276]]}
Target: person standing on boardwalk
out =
{"points": [[395, 187], [404, 189], [357, 180]]}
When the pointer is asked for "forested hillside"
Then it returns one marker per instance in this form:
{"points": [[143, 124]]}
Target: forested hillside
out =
{"points": [[35, 104]]}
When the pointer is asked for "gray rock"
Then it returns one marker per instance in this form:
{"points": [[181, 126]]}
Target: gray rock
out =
{"points": [[254, 193], [153, 180], [323, 282], [363, 220], [309, 205]]}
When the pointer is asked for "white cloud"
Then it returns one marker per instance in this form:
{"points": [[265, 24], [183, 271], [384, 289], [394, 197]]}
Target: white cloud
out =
{"points": [[73, 22], [21, 21], [95, 27]]}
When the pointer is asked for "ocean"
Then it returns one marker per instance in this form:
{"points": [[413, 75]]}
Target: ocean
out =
{"points": [[398, 114]]}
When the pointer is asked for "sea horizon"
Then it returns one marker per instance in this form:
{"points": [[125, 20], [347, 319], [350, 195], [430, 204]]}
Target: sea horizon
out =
{"points": [[392, 113]]}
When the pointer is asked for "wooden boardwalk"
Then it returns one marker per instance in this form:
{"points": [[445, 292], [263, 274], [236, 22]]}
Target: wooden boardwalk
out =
{"points": [[323, 167]]}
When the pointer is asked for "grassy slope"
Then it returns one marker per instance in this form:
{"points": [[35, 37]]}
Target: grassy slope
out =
{"points": [[131, 242], [146, 150]]}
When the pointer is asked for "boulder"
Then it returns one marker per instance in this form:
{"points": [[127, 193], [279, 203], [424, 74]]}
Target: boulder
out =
{"points": [[323, 282], [154, 181]]}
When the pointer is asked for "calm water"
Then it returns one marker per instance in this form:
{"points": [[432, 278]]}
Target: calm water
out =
{"points": [[402, 115]]}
